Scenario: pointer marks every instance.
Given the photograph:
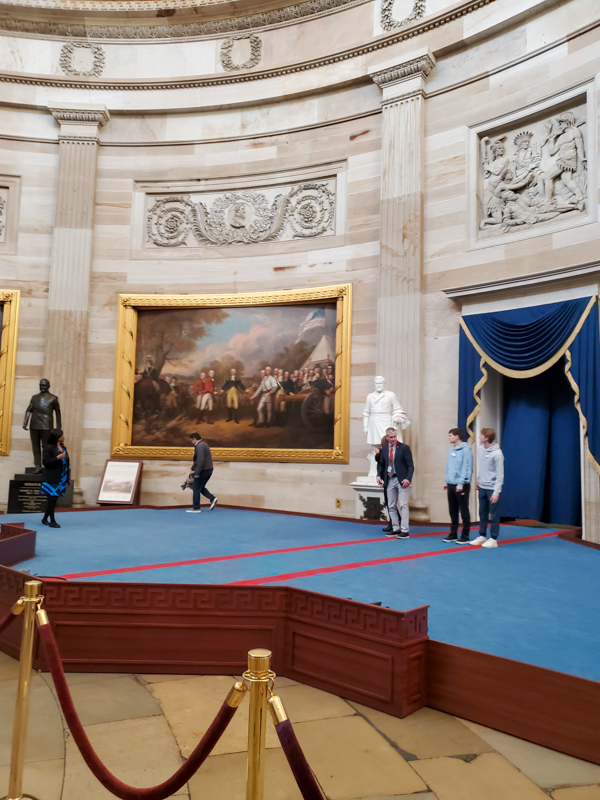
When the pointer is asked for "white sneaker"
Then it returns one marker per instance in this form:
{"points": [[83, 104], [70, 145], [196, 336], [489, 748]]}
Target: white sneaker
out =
{"points": [[478, 540], [214, 503], [490, 543], [194, 510]]}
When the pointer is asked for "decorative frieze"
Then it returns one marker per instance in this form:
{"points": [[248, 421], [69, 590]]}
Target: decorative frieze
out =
{"points": [[268, 214], [276, 17], [254, 46], [397, 13], [82, 59], [532, 172]]}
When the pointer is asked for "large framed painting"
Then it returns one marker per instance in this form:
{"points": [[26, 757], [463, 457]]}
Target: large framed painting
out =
{"points": [[262, 377], [9, 320]]}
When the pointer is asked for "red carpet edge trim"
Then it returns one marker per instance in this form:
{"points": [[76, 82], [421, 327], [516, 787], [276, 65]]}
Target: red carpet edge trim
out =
{"points": [[234, 556], [378, 561]]}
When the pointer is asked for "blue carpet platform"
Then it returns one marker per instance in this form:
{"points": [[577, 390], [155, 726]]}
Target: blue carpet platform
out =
{"points": [[534, 599]]}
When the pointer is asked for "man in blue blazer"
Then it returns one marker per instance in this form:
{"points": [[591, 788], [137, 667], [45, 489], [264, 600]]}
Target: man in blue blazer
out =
{"points": [[395, 471]]}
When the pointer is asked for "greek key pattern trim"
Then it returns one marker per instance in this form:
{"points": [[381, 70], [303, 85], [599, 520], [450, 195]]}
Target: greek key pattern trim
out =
{"points": [[11, 582], [192, 83], [98, 59], [389, 23], [2, 215], [255, 53], [165, 599], [399, 625]]}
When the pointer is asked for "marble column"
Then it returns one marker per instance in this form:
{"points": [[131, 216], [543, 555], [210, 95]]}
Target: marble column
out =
{"points": [[400, 335], [69, 286]]}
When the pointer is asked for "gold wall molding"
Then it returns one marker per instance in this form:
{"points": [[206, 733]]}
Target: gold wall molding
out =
{"points": [[125, 358], [9, 301]]}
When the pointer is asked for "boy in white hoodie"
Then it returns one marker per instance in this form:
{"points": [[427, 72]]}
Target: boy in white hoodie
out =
{"points": [[490, 477]]}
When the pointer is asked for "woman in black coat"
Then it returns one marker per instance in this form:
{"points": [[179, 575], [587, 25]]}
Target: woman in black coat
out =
{"points": [[55, 474]]}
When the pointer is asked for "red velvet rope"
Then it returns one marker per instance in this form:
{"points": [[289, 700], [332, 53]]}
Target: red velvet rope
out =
{"points": [[6, 620], [307, 783], [114, 785]]}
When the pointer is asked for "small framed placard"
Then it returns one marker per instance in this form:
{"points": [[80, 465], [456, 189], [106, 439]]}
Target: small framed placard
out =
{"points": [[121, 482]]}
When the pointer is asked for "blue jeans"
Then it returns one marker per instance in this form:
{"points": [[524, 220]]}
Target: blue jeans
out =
{"points": [[491, 510], [199, 487]]}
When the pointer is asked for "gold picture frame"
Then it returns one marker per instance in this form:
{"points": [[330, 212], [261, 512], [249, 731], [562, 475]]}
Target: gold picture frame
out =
{"points": [[130, 306], [9, 303]]}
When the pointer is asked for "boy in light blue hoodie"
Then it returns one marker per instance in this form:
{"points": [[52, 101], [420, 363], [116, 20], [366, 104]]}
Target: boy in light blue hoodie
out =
{"points": [[457, 482]]}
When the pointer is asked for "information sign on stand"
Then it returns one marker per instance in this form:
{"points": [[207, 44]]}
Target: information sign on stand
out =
{"points": [[121, 483]]}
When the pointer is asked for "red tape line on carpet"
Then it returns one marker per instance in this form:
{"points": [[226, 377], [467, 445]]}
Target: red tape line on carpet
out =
{"points": [[376, 562], [233, 557]]}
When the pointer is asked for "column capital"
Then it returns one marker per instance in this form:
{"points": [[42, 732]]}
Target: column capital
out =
{"points": [[79, 121], [403, 77]]}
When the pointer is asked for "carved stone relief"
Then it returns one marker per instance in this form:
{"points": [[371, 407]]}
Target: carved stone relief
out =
{"points": [[269, 214], [397, 13], [82, 59], [255, 51], [534, 173]]}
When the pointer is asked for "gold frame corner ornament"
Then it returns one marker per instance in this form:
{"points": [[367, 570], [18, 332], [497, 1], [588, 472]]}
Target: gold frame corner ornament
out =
{"points": [[129, 306], [10, 301]]}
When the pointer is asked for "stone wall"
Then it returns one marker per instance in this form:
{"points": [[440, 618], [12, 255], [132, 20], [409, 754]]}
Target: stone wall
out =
{"points": [[502, 67]]}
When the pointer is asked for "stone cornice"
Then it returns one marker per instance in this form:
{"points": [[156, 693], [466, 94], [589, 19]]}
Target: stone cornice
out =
{"points": [[275, 18], [419, 67], [220, 80], [207, 29], [113, 6], [548, 276]]}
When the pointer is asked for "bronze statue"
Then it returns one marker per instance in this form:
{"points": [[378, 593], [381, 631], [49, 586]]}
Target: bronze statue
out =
{"points": [[40, 411]]}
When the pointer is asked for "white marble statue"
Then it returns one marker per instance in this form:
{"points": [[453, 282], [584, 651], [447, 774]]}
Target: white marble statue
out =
{"points": [[382, 411]]}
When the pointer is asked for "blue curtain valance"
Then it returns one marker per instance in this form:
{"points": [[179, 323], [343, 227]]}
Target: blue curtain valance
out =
{"points": [[525, 338]]}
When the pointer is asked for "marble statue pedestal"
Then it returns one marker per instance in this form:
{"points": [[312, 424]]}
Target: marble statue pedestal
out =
{"points": [[369, 499], [370, 505]]}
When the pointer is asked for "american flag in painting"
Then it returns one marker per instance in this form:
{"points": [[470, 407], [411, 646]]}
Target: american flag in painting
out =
{"points": [[315, 319]]}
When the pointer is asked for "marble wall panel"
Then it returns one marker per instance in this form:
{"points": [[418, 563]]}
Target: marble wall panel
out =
{"points": [[117, 171]]}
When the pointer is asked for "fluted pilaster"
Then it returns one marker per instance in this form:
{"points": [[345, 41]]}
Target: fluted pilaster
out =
{"points": [[69, 288], [399, 333]]}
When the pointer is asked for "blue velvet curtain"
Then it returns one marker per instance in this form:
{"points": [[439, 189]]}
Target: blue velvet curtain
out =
{"points": [[520, 344], [540, 442], [505, 334]]}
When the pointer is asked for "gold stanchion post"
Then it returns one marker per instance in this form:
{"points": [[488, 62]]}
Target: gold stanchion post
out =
{"points": [[258, 676], [30, 603]]}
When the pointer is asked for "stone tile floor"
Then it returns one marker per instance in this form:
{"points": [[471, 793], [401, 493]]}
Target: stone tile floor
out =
{"points": [[142, 726]]}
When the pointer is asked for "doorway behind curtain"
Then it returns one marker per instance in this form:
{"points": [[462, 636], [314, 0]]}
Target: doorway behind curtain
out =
{"points": [[541, 446]]}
